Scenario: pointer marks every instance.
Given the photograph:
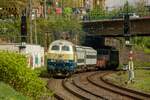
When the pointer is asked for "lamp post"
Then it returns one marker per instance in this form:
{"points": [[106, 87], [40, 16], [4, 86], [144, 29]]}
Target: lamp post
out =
{"points": [[34, 17], [30, 18]]}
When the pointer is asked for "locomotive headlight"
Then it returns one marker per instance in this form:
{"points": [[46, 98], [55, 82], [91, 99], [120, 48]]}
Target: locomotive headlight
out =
{"points": [[52, 60], [67, 61]]}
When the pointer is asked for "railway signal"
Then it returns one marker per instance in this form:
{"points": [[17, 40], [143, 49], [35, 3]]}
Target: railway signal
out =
{"points": [[127, 28], [23, 29], [126, 25]]}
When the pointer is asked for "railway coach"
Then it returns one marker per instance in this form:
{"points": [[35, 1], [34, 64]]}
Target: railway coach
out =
{"points": [[65, 58], [107, 58]]}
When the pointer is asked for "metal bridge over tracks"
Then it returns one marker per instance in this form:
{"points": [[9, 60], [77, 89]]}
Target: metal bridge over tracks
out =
{"points": [[115, 27]]}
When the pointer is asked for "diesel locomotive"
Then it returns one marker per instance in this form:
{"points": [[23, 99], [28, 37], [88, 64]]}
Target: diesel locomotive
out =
{"points": [[65, 58]]}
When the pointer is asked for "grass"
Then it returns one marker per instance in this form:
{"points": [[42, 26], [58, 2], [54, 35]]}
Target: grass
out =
{"points": [[139, 64], [8, 93], [141, 81]]}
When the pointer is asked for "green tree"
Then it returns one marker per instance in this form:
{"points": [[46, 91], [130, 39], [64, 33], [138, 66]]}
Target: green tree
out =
{"points": [[124, 9], [54, 27], [98, 13], [10, 30], [141, 9]]}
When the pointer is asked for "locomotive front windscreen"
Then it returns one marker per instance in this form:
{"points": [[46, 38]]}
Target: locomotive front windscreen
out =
{"points": [[65, 48], [55, 47]]}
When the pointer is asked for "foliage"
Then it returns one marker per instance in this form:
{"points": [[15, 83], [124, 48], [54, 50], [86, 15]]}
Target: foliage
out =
{"points": [[140, 8], [14, 71], [9, 93], [98, 13], [68, 3], [10, 28], [42, 72], [55, 25], [67, 11], [143, 42], [146, 42], [47, 29], [127, 8]]}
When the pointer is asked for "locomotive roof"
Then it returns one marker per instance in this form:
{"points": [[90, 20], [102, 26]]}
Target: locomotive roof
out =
{"points": [[59, 42]]}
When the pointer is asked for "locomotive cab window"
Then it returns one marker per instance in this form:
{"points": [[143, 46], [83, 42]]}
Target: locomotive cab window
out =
{"points": [[55, 47], [65, 48]]}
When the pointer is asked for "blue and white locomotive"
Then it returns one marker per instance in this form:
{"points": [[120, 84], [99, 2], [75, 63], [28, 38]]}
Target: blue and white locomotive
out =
{"points": [[64, 57]]}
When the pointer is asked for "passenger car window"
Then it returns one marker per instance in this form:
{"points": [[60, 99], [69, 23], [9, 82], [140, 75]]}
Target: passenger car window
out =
{"points": [[65, 48], [55, 47]]}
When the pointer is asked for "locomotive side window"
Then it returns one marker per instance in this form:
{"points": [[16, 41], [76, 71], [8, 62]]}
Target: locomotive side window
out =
{"points": [[65, 48], [105, 52], [55, 47]]}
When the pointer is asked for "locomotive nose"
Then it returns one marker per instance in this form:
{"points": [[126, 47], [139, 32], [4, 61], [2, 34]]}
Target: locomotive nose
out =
{"points": [[60, 56]]}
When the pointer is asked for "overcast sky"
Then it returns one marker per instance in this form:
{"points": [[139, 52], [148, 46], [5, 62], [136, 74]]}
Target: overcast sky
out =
{"points": [[116, 3]]}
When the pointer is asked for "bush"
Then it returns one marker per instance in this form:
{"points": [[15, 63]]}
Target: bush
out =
{"points": [[14, 71], [42, 72]]}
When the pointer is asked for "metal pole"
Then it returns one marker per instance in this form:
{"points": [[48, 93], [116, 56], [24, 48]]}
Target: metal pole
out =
{"points": [[45, 15], [30, 15], [35, 27], [62, 6], [46, 40], [76, 39]]}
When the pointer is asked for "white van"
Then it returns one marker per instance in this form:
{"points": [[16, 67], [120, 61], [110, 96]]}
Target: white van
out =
{"points": [[134, 15]]}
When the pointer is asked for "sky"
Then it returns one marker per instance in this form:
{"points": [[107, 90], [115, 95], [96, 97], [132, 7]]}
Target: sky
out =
{"points": [[116, 3]]}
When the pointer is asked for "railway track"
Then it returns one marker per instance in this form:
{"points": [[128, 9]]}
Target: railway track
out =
{"points": [[99, 80], [92, 86], [82, 94], [60, 92]]}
